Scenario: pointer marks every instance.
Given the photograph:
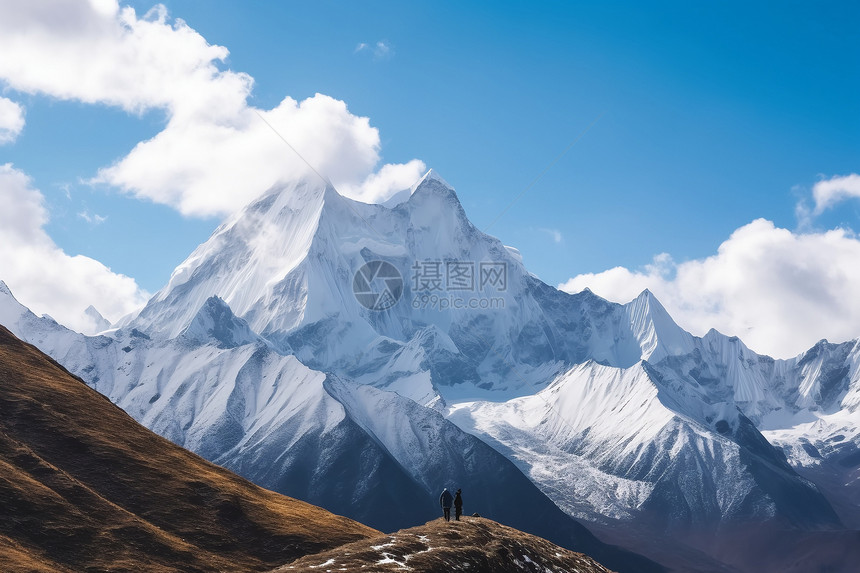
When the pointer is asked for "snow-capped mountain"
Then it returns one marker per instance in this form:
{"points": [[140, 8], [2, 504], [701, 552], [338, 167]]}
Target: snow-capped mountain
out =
{"points": [[650, 453], [225, 393], [352, 354], [287, 264], [100, 323]]}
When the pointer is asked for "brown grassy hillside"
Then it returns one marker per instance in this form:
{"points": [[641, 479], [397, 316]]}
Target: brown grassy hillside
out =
{"points": [[475, 545], [83, 487]]}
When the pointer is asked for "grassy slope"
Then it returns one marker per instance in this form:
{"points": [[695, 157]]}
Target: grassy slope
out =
{"points": [[82, 486]]}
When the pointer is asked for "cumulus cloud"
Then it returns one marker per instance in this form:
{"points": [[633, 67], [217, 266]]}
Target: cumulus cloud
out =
{"points": [[11, 120], [828, 192], [382, 185], [213, 167], [42, 276], [778, 290], [96, 52], [622, 285], [216, 152]]}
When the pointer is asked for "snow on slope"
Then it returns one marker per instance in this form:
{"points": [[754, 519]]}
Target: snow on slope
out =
{"points": [[286, 266], [811, 398], [243, 262], [657, 333], [77, 353], [100, 323], [366, 453], [262, 414], [538, 431], [17, 317], [581, 437], [607, 442], [215, 321]]}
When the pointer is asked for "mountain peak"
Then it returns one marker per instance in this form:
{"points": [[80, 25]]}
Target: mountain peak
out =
{"points": [[293, 194], [652, 305], [658, 334], [433, 199], [100, 323], [5, 289], [244, 259], [433, 175], [433, 184], [648, 303], [215, 322]]}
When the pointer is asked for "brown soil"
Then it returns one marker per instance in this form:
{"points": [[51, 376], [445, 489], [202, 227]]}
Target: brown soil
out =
{"points": [[83, 487], [474, 544]]}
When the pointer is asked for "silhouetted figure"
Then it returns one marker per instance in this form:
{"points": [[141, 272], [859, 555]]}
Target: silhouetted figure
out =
{"points": [[458, 506], [445, 501]]}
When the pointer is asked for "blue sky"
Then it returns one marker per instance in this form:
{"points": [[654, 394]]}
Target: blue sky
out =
{"points": [[704, 117]]}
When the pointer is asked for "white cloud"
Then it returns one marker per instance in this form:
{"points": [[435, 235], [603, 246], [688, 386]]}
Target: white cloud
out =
{"points": [[213, 168], [41, 275], [92, 218], [616, 284], [381, 50], [216, 152], [97, 53], [828, 192], [554, 234], [380, 186], [11, 120], [779, 291]]}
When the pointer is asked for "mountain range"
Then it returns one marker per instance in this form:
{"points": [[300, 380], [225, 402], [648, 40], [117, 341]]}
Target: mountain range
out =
{"points": [[84, 487], [361, 357]]}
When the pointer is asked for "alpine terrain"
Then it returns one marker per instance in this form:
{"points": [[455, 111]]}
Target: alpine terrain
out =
{"points": [[362, 357], [85, 488]]}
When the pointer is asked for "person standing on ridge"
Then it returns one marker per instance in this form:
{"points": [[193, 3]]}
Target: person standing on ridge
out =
{"points": [[458, 506], [445, 501]]}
